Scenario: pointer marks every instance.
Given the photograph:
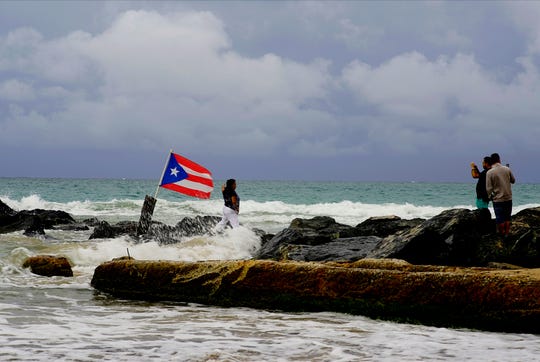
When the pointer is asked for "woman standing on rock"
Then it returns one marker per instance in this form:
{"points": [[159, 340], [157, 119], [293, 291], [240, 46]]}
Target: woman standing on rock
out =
{"points": [[231, 208]]}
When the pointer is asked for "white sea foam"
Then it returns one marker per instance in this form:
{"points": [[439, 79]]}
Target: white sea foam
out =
{"points": [[271, 216], [238, 243]]}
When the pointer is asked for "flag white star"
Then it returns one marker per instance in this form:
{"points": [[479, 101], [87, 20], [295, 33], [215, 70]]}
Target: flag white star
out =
{"points": [[174, 172]]}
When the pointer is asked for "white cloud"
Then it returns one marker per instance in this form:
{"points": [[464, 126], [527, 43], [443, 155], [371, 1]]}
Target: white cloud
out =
{"points": [[450, 37], [437, 103], [358, 36], [168, 79], [410, 85], [525, 15], [15, 90]]}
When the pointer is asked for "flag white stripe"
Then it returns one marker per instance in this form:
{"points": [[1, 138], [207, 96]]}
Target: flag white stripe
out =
{"points": [[194, 185], [195, 173]]}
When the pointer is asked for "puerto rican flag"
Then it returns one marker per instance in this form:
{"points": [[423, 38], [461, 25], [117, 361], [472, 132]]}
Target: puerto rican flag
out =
{"points": [[187, 177]]}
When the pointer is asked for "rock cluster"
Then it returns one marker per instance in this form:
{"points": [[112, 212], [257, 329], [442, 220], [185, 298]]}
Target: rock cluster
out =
{"points": [[454, 237]]}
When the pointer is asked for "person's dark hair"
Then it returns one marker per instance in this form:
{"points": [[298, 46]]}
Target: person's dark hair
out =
{"points": [[495, 158], [488, 160], [230, 183]]}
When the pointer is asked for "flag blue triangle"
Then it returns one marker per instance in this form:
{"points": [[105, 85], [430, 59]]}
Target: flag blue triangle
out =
{"points": [[174, 172]]}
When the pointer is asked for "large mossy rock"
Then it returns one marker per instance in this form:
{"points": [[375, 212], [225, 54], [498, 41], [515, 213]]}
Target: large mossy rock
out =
{"points": [[482, 298]]}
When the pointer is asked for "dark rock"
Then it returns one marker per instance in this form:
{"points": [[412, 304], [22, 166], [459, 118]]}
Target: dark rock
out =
{"points": [[316, 231], [454, 237], [93, 221], [383, 226], [165, 234], [72, 227], [49, 265], [450, 238], [5, 210], [49, 218], [32, 221], [104, 230], [468, 238], [35, 226], [523, 246], [341, 249], [198, 225]]}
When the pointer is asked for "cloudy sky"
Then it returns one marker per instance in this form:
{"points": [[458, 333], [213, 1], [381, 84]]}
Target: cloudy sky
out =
{"points": [[352, 90]]}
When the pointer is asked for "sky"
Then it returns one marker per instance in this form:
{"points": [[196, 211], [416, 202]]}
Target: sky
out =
{"points": [[269, 90]]}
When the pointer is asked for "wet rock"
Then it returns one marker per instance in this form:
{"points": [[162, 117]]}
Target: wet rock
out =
{"points": [[316, 231], [480, 298], [522, 247], [450, 238], [454, 237], [468, 238], [104, 230], [383, 226], [341, 249], [72, 227], [165, 234], [32, 221], [49, 265], [5, 210], [92, 222], [49, 218], [34, 227]]}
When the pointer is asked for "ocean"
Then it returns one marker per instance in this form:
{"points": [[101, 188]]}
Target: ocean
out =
{"points": [[65, 319]]}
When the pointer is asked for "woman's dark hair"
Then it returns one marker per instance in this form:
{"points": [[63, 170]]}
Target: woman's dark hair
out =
{"points": [[230, 183]]}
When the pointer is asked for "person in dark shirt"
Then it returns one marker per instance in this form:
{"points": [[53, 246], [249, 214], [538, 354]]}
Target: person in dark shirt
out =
{"points": [[482, 197], [231, 207]]}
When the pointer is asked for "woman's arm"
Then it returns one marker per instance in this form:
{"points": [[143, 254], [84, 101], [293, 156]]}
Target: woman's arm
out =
{"points": [[235, 203]]}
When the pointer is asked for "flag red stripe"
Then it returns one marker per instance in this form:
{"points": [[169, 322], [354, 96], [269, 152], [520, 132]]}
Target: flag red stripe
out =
{"points": [[201, 180], [187, 191], [190, 164]]}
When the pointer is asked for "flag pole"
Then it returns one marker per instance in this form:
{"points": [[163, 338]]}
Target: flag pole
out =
{"points": [[163, 173]]}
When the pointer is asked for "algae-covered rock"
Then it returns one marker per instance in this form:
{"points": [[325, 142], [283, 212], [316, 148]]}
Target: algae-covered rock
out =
{"points": [[483, 298], [49, 265]]}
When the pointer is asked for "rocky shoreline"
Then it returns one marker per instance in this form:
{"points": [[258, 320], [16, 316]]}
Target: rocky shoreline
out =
{"points": [[455, 237], [451, 270]]}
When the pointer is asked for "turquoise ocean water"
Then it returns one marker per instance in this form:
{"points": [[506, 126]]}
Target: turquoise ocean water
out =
{"points": [[64, 319]]}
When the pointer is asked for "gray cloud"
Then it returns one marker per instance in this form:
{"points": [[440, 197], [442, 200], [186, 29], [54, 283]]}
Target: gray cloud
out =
{"points": [[182, 75]]}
